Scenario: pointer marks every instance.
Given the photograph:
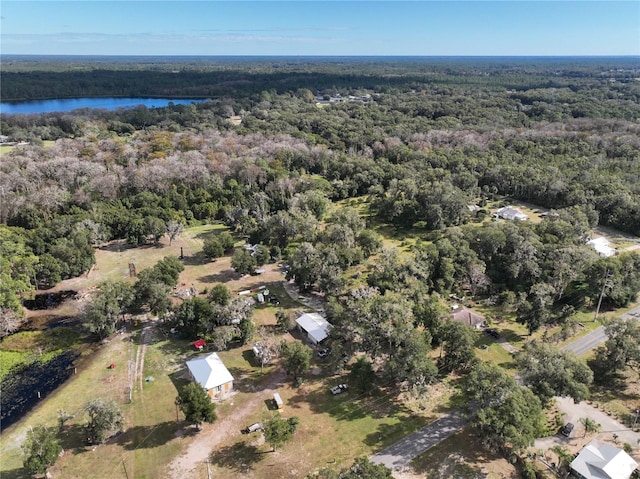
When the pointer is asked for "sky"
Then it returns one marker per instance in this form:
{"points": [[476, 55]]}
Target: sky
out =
{"points": [[331, 28]]}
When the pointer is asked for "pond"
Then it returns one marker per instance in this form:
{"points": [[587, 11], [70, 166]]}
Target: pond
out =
{"points": [[69, 104]]}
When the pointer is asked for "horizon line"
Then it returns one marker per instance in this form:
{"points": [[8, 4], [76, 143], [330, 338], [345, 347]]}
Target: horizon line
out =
{"points": [[320, 55]]}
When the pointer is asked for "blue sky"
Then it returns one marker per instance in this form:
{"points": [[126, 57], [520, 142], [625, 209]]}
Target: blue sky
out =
{"points": [[448, 27]]}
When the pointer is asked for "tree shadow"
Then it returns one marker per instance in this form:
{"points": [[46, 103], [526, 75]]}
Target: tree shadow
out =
{"points": [[239, 457], [348, 406], [180, 378], [249, 357], [387, 434], [252, 380], [221, 277], [20, 473], [197, 259], [459, 455], [146, 437], [73, 437], [179, 348], [116, 246]]}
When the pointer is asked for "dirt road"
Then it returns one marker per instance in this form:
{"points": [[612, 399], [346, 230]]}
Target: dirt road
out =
{"points": [[214, 434]]}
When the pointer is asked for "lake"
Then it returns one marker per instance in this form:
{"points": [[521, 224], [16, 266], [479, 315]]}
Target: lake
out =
{"points": [[69, 104]]}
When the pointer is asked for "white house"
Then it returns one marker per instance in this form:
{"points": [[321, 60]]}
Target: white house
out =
{"points": [[601, 245], [315, 326], [603, 462], [510, 213], [211, 373]]}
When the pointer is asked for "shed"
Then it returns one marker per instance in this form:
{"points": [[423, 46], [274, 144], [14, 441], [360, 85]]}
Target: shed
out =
{"points": [[603, 461], [278, 400], [601, 245], [315, 326], [211, 373]]}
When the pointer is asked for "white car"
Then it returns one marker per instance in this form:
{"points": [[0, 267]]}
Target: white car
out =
{"points": [[340, 388], [323, 353]]}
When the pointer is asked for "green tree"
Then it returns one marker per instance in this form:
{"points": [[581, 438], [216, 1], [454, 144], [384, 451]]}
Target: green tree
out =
{"points": [[168, 270], [296, 358], [17, 265], [621, 350], [305, 266], [193, 318], [196, 404], [458, 347], [362, 375], [370, 242], [283, 321], [243, 262], [551, 372], [361, 468], [279, 431], [212, 248], [247, 330], [41, 449], [508, 416], [48, 271], [102, 313], [155, 227], [152, 293], [226, 241], [220, 295], [105, 420], [590, 426]]}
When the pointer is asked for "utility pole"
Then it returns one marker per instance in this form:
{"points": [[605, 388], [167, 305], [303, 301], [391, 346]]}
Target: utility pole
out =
{"points": [[604, 285], [208, 471]]}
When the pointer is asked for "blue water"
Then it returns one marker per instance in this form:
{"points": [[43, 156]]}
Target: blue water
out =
{"points": [[47, 106]]}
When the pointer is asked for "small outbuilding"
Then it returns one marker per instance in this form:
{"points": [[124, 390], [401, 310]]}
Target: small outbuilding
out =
{"points": [[601, 245], [314, 326], [211, 373], [603, 461]]}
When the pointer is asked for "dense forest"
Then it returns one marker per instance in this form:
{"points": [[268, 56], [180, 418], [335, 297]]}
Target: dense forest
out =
{"points": [[427, 144]]}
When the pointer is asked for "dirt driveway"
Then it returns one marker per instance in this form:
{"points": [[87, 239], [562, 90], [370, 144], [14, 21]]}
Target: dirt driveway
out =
{"points": [[609, 427], [183, 467]]}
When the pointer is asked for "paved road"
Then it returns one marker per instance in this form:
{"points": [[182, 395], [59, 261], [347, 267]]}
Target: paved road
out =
{"points": [[587, 342], [399, 454], [596, 337]]}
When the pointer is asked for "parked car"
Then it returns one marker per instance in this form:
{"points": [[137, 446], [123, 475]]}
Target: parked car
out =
{"points": [[492, 332], [274, 299], [323, 353], [339, 389], [256, 426], [566, 429]]}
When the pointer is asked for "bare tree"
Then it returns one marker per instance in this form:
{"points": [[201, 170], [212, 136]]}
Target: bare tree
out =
{"points": [[174, 228], [9, 322]]}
